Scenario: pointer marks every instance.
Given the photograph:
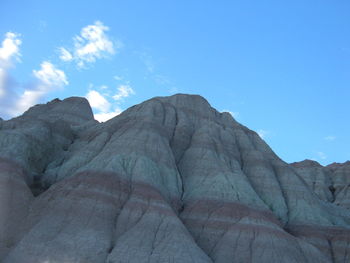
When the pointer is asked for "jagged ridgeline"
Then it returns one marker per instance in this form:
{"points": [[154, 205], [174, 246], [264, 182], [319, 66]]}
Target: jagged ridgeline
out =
{"points": [[168, 180]]}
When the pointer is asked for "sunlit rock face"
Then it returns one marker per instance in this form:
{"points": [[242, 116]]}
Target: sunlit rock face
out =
{"points": [[168, 180]]}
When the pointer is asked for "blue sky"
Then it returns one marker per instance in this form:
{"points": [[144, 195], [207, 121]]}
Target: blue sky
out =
{"points": [[281, 67]]}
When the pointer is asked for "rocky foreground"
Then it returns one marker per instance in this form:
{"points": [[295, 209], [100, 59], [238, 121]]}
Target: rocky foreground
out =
{"points": [[168, 180]]}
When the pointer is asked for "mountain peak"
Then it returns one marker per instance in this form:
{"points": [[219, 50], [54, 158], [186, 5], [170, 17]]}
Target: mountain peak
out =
{"points": [[74, 109], [306, 163]]}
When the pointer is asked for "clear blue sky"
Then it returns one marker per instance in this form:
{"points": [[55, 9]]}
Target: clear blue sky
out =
{"points": [[281, 67]]}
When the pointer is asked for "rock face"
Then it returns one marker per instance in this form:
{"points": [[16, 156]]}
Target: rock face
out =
{"points": [[168, 180], [330, 183]]}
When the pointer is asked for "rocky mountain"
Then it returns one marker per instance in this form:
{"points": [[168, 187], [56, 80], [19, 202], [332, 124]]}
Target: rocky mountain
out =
{"points": [[168, 180]]}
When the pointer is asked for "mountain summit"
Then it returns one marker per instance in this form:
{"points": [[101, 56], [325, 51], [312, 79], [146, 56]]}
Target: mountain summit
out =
{"points": [[168, 180]]}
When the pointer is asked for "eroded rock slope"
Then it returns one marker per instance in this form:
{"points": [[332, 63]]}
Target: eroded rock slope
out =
{"points": [[168, 180]]}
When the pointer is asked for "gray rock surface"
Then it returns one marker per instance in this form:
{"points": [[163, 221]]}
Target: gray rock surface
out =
{"points": [[331, 183], [168, 180]]}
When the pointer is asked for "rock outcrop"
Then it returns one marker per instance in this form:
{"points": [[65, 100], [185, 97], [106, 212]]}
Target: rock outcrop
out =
{"points": [[331, 183], [168, 180]]}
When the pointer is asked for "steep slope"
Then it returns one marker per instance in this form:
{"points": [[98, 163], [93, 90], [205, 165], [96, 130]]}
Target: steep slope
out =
{"points": [[168, 180], [27, 145], [330, 183]]}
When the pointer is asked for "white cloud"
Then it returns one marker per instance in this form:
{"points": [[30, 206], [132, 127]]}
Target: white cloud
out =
{"points": [[26, 100], [65, 54], [2, 82], [15, 98], [262, 133], [50, 77], [322, 155], [90, 45], [9, 52], [9, 49], [93, 42], [330, 138], [102, 117], [123, 92], [98, 101], [234, 114]]}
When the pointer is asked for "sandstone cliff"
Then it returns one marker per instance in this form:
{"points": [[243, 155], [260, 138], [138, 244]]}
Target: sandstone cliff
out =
{"points": [[168, 180]]}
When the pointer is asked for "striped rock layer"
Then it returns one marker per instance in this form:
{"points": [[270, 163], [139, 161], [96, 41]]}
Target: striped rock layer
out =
{"points": [[168, 180]]}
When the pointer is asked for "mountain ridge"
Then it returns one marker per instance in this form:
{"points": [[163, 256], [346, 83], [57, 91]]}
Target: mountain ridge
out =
{"points": [[168, 180]]}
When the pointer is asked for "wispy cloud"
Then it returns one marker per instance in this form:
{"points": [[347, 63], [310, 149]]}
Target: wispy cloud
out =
{"points": [[152, 71], [161, 79], [322, 155], [148, 61], [124, 91], [262, 133], [92, 44], [42, 25], [234, 114], [330, 138], [107, 106], [173, 90], [65, 55], [118, 78]]}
